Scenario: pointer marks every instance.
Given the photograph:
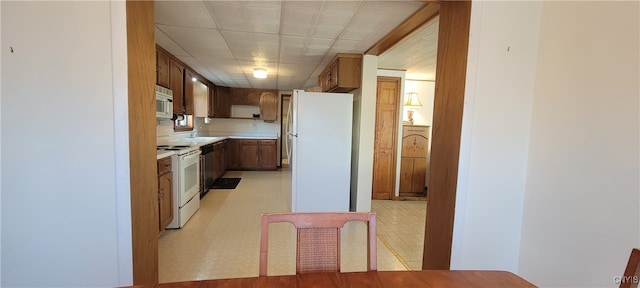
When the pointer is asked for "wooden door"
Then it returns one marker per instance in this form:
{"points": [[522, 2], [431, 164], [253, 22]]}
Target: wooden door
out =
{"points": [[385, 143]]}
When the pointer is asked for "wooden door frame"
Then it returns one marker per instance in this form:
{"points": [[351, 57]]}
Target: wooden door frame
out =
{"points": [[451, 67]]}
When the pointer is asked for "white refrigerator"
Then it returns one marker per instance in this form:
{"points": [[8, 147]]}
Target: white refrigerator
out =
{"points": [[319, 150]]}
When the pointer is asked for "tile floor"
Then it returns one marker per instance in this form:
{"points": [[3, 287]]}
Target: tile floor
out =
{"points": [[222, 239]]}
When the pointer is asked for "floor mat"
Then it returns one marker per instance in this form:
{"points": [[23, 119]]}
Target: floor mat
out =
{"points": [[225, 183]]}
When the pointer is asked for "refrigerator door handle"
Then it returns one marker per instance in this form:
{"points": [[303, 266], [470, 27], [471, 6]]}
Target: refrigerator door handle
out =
{"points": [[289, 134]]}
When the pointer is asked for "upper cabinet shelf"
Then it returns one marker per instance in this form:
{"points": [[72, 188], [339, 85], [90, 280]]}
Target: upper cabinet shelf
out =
{"points": [[342, 74]]}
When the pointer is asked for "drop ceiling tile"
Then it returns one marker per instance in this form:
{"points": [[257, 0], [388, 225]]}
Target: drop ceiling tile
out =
{"points": [[198, 42], [368, 26], [299, 17], [171, 46], [173, 13], [253, 46], [349, 46], [296, 70], [228, 15]]}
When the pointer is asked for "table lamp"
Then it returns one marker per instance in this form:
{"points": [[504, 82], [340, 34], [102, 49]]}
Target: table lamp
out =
{"points": [[411, 100]]}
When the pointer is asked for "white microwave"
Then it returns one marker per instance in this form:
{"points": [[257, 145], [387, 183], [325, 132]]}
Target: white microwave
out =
{"points": [[164, 102]]}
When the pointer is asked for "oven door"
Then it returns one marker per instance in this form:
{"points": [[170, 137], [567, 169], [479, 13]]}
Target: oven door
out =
{"points": [[190, 176]]}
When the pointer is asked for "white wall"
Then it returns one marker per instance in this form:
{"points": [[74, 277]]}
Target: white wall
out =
{"points": [[495, 136], [63, 90], [364, 126], [548, 185], [581, 214]]}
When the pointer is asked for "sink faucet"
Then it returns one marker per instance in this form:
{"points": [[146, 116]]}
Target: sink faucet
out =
{"points": [[193, 134]]}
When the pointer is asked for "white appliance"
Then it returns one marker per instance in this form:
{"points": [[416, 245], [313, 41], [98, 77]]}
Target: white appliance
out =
{"points": [[319, 150], [186, 183], [164, 102]]}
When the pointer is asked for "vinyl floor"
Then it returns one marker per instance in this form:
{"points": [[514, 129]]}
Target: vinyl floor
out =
{"points": [[222, 239]]}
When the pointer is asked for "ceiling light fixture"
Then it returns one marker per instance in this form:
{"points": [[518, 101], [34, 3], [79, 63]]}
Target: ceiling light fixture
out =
{"points": [[259, 73]]}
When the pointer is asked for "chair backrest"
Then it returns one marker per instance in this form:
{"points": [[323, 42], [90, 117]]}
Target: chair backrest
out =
{"points": [[632, 272], [318, 239]]}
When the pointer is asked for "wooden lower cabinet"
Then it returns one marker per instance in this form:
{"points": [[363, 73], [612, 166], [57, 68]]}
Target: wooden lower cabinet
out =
{"points": [[267, 154], [233, 157], [219, 159], [165, 193], [251, 154], [414, 160]]}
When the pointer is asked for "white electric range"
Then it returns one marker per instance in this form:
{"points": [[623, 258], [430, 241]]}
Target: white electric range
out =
{"points": [[186, 182]]}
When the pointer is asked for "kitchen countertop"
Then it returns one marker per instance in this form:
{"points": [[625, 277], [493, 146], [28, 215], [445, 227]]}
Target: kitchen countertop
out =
{"points": [[163, 154], [201, 141]]}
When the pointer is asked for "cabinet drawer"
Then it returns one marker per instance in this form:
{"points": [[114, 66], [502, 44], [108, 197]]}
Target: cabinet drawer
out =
{"points": [[248, 142], [164, 165], [267, 142]]}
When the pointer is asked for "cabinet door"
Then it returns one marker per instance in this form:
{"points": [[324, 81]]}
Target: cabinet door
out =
{"points": [[222, 105], [267, 154], [176, 84], [224, 157], [268, 105], [162, 68], [188, 91], [245, 96], [211, 108], [233, 157], [165, 200], [419, 175], [249, 154], [406, 174]]}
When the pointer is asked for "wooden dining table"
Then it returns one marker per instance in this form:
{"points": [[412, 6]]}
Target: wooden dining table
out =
{"points": [[419, 278]]}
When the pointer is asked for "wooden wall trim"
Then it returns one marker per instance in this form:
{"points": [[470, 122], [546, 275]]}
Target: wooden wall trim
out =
{"points": [[142, 140], [453, 42], [427, 12]]}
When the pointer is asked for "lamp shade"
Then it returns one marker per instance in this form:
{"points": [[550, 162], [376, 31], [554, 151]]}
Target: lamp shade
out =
{"points": [[411, 99]]}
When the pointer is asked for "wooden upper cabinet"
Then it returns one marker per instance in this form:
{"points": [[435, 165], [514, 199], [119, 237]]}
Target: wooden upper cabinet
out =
{"points": [[269, 105], [200, 98], [245, 96], [342, 74], [222, 104], [211, 107], [188, 91], [162, 67], [176, 84]]}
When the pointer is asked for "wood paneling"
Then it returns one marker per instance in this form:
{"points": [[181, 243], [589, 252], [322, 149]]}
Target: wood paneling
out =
{"points": [[385, 146], [142, 140], [453, 42]]}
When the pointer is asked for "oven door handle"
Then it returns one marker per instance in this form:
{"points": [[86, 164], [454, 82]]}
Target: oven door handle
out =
{"points": [[191, 155]]}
